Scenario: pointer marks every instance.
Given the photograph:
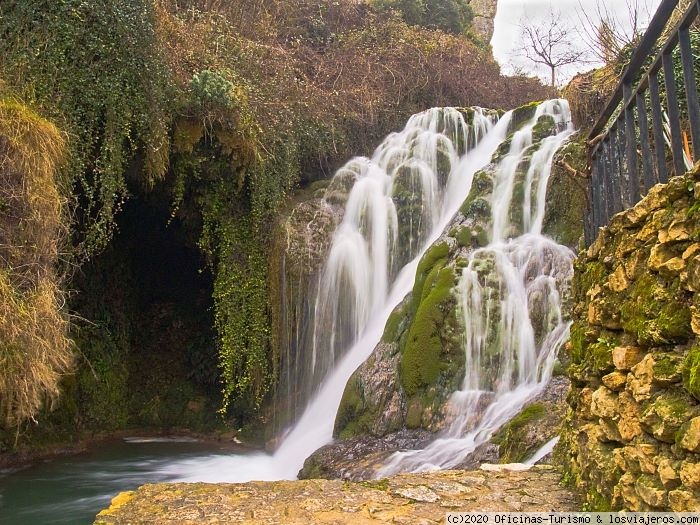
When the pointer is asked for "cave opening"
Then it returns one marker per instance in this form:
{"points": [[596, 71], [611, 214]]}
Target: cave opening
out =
{"points": [[148, 301]]}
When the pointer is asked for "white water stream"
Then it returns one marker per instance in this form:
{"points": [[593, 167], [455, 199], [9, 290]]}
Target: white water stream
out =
{"points": [[367, 274]]}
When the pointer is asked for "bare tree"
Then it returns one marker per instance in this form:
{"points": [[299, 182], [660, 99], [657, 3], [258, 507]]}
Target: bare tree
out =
{"points": [[550, 44], [606, 31]]}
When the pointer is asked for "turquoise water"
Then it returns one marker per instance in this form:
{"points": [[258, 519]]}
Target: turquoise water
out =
{"points": [[72, 490]]}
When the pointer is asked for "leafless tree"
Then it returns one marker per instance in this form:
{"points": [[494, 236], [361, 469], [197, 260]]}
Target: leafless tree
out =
{"points": [[550, 43], [607, 31]]}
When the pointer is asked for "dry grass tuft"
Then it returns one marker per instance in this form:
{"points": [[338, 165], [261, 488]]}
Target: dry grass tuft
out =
{"points": [[34, 348]]}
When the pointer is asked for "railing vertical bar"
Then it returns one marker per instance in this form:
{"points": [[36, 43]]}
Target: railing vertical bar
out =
{"points": [[594, 194], [605, 184], [622, 185], [644, 141], [657, 123], [691, 89], [673, 114], [613, 175], [631, 145]]}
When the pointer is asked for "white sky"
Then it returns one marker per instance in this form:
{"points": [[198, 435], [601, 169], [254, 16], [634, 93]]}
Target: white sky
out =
{"points": [[506, 37]]}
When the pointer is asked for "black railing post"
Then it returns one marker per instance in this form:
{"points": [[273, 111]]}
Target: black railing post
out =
{"points": [[658, 124], [691, 90], [674, 117], [631, 143], [644, 141]]}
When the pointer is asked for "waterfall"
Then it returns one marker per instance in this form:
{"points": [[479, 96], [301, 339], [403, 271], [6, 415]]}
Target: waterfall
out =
{"points": [[510, 305], [401, 200], [393, 202]]}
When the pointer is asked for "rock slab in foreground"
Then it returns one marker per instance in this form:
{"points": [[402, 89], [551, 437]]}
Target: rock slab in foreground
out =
{"points": [[407, 498]]}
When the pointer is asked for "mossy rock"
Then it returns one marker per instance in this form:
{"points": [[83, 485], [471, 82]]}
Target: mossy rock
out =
{"points": [[435, 256], [421, 361], [691, 372], [521, 436], [544, 127], [351, 409], [655, 312], [566, 199], [523, 115]]}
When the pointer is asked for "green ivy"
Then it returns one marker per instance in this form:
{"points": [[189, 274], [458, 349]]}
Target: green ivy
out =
{"points": [[93, 66]]}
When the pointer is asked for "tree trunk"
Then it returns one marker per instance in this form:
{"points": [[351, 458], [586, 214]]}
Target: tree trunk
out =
{"points": [[553, 77]]}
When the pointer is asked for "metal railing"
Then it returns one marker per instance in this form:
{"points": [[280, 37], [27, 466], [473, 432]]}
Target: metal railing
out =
{"points": [[649, 122]]}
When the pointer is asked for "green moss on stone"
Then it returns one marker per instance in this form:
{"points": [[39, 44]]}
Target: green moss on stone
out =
{"points": [[464, 237], [513, 447], [414, 412], [654, 313], [393, 328], [435, 256], [523, 115], [421, 359], [691, 372], [544, 128]]}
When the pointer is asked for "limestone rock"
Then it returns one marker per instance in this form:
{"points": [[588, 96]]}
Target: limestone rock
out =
{"points": [[655, 199], [668, 473], [665, 414], [583, 408], [636, 264], [615, 381], [419, 493], [690, 475], [659, 256], [690, 435], [692, 275], [484, 16], [651, 491], [672, 267], [604, 403], [625, 357], [695, 319], [628, 425], [683, 501], [618, 281], [406, 498], [677, 231], [640, 457], [640, 382], [630, 496]]}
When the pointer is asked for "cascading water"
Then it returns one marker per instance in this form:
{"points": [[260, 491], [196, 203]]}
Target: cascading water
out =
{"points": [[401, 201], [393, 203], [509, 297]]}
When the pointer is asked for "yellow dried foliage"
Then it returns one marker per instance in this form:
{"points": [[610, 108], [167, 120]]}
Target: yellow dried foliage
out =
{"points": [[34, 348]]}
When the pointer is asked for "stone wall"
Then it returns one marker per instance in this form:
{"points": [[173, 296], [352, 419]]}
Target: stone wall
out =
{"points": [[632, 435]]}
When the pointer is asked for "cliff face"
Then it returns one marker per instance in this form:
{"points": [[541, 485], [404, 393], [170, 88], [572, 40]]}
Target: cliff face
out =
{"points": [[484, 16], [632, 438]]}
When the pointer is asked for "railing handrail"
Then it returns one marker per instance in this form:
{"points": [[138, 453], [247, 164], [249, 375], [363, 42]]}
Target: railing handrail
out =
{"points": [[646, 44], [624, 165]]}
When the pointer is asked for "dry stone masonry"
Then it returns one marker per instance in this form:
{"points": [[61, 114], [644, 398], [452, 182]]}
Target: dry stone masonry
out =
{"points": [[632, 436]]}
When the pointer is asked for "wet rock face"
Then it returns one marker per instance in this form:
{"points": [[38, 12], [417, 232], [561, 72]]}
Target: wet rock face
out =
{"points": [[407, 498], [538, 422], [359, 458], [633, 434]]}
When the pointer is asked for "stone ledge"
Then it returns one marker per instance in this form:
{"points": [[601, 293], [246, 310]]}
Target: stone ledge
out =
{"points": [[405, 498]]}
